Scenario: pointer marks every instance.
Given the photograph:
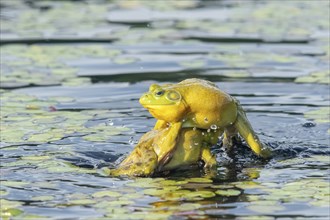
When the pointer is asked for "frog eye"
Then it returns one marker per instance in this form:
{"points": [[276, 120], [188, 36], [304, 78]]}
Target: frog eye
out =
{"points": [[159, 93], [173, 96]]}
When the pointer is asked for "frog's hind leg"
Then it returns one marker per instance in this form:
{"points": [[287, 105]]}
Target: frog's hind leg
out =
{"points": [[210, 167], [230, 138], [245, 130], [208, 157]]}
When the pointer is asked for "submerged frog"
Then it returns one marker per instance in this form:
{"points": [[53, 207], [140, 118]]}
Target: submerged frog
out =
{"points": [[196, 103], [191, 146]]}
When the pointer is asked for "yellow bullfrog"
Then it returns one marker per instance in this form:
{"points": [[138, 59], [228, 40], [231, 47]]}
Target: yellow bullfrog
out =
{"points": [[197, 103], [191, 146]]}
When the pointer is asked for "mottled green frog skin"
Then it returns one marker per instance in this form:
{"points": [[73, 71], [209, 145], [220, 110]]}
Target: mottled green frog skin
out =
{"points": [[192, 145], [196, 103]]}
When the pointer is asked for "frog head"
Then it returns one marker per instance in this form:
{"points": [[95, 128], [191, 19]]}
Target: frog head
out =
{"points": [[164, 103]]}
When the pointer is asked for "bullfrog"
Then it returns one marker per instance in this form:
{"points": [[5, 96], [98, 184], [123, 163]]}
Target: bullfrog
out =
{"points": [[197, 103], [191, 146]]}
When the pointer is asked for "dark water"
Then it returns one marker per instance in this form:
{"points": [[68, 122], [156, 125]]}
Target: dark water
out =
{"points": [[71, 76]]}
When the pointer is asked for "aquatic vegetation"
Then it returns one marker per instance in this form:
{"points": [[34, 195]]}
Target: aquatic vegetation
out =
{"points": [[321, 115], [315, 77]]}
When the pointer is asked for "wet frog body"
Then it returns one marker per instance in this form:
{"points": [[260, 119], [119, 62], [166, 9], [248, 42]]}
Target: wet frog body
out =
{"points": [[191, 146], [196, 103]]}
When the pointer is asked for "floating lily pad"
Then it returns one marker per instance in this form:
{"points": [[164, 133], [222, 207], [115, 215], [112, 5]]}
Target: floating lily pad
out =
{"points": [[265, 209], [199, 180], [106, 194], [43, 198], [81, 202], [322, 77], [228, 192], [9, 213], [200, 193], [18, 184], [322, 115]]}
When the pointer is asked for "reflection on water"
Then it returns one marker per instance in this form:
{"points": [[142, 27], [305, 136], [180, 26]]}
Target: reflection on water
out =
{"points": [[80, 113]]}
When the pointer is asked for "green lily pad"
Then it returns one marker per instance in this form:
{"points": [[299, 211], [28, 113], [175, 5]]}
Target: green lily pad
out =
{"points": [[248, 185], [81, 202], [193, 63], [7, 204], [9, 213], [120, 203], [199, 180], [322, 77], [106, 194], [321, 115], [229, 192], [201, 193], [43, 198], [265, 209], [18, 184], [3, 193]]}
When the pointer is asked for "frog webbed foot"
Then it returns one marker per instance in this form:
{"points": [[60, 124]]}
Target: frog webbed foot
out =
{"points": [[207, 157]]}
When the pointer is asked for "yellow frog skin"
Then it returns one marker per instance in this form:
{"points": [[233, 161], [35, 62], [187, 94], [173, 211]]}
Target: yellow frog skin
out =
{"points": [[191, 146], [197, 103]]}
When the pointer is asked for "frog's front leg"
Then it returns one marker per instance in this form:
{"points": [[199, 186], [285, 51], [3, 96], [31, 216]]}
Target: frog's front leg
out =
{"points": [[166, 143], [160, 124], [245, 129]]}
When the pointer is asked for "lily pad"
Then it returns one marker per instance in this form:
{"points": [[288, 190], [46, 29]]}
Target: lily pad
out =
{"points": [[265, 209], [106, 194], [199, 180], [229, 192], [82, 202], [321, 115], [43, 198], [322, 77]]}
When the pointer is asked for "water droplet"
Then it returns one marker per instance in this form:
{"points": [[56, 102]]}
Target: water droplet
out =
{"points": [[194, 119], [203, 133], [206, 120], [208, 130], [109, 122], [131, 141], [194, 128], [214, 127], [195, 143], [183, 120], [190, 147]]}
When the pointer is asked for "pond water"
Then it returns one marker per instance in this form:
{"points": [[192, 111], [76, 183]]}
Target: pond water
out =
{"points": [[71, 76]]}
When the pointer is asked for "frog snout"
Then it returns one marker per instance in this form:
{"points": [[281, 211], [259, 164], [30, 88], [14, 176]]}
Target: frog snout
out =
{"points": [[145, 99]]}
